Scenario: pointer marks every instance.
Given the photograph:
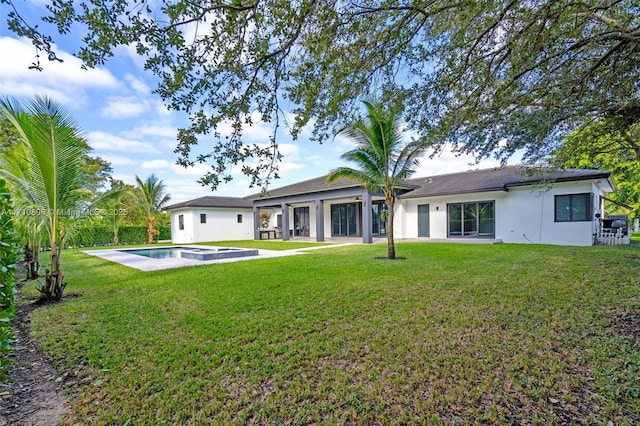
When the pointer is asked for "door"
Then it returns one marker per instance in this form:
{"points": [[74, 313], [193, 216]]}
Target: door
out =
{"points": [[301, 221], [423, 220]]}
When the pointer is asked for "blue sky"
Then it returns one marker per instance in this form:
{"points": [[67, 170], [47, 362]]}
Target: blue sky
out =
{"points": [[128, 125]]}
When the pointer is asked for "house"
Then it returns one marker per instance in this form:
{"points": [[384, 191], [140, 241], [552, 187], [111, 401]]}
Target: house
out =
{"points": [[511, 204], [211, 219]]}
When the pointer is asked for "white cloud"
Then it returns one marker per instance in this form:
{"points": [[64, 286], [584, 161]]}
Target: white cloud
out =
{"points": [[449, 162], [18, 80], [155, 164], [158, 130], [198, 170], [138, 86], [186, 189], [108, 142], [129, 51], [118, 160], [123, 107]]}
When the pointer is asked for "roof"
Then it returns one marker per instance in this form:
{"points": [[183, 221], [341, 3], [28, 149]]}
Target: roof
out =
{"points": [[319, 184], [497, 179], [211, 201], [494, 179]]}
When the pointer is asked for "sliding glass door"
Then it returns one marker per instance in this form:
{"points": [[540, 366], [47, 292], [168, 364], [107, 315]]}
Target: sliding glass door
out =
{"points": [[471, 219], [345, 220]]}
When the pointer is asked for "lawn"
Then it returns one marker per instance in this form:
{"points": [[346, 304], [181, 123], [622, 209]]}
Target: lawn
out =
{"points": [[453, 334]]}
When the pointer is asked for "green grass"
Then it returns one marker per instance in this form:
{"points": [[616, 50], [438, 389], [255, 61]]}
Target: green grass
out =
{"points": [[454, 334]]}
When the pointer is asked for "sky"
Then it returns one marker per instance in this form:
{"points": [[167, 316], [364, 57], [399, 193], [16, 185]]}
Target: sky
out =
{"points": [[127, 125]]}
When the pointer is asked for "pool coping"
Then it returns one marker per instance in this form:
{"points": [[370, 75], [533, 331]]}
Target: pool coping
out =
{"points": [[147, 264]]}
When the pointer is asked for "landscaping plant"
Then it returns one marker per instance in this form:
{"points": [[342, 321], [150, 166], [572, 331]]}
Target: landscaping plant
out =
{"points": [[44, 170], [7, 285], [385, 159]]}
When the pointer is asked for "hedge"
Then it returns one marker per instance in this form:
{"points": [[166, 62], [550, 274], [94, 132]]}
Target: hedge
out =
{"points": [[8, 251], [103, 235]]}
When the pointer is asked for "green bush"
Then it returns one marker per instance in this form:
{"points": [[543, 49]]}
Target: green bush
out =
{"points": [[103, 235], [164, 233], [7, 286]]}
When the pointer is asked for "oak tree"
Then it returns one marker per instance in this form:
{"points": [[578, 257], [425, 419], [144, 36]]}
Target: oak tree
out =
{"points": [[489, 77]]}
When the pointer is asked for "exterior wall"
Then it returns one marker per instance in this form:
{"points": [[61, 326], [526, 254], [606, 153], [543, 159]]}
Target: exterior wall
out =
{"points": [[222, 224], [522, 214]]}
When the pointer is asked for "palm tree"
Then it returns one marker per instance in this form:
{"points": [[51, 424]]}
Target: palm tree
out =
{"points": [[385, 160], [50, 187], [151, 198]]}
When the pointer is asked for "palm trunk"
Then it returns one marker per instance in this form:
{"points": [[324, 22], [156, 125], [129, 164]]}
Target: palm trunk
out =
{"points": [[35, 265], [391, 247], [150, 230], [54, 281]]}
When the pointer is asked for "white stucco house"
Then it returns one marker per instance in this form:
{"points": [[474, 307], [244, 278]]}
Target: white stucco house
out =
{"points": [[211, 219], [510, 204]]}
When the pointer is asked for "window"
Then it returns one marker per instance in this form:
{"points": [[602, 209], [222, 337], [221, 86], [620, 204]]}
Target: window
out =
{"points": [[239, 218], [203, 218], [181, 222], [573, 208]]}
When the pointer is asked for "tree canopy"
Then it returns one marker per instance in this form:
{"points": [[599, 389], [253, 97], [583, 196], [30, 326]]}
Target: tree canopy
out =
{"points": [[602, 145], [488, 77]]}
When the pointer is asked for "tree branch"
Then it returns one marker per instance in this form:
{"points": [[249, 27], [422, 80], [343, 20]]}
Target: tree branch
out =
{"points": [[206, 10]]}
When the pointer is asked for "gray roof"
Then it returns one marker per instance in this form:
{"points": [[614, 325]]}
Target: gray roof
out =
{"points": [[496, 179], [319, 184], [211, 201]]}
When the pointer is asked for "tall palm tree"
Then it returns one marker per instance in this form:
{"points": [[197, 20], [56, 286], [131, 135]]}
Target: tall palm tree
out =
{"points": [[151, 198], [385, 160], [50, 188]]}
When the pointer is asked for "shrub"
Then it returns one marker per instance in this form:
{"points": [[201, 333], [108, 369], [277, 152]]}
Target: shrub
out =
{"points": [[7, 285], [103, 235]]}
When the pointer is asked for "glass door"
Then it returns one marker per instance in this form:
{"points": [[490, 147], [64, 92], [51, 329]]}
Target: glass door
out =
{"points": [[345, 219], [301, 221], [471, 219]]}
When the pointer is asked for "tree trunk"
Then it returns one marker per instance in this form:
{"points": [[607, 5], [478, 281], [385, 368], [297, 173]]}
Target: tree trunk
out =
{"points": [[150, 230], [35, 263], [53, 281], [391, 247], [116, 239], [28, 259]]}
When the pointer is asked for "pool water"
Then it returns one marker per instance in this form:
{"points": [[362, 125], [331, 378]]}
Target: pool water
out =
{"points": [[157, 253], [195, 253]]}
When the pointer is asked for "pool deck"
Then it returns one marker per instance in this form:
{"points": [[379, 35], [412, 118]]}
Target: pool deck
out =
{"points": [[147, 264]]}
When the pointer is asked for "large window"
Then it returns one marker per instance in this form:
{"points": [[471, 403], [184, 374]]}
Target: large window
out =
{"points": [[471, 219], [573, 208]]}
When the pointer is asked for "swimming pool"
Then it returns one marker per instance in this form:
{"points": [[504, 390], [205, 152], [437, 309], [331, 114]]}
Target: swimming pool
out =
{"points": [[195, 253]]}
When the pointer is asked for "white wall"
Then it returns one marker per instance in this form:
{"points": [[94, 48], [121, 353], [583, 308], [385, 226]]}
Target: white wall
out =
{"points": [[222, 224], [522, 215]]}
